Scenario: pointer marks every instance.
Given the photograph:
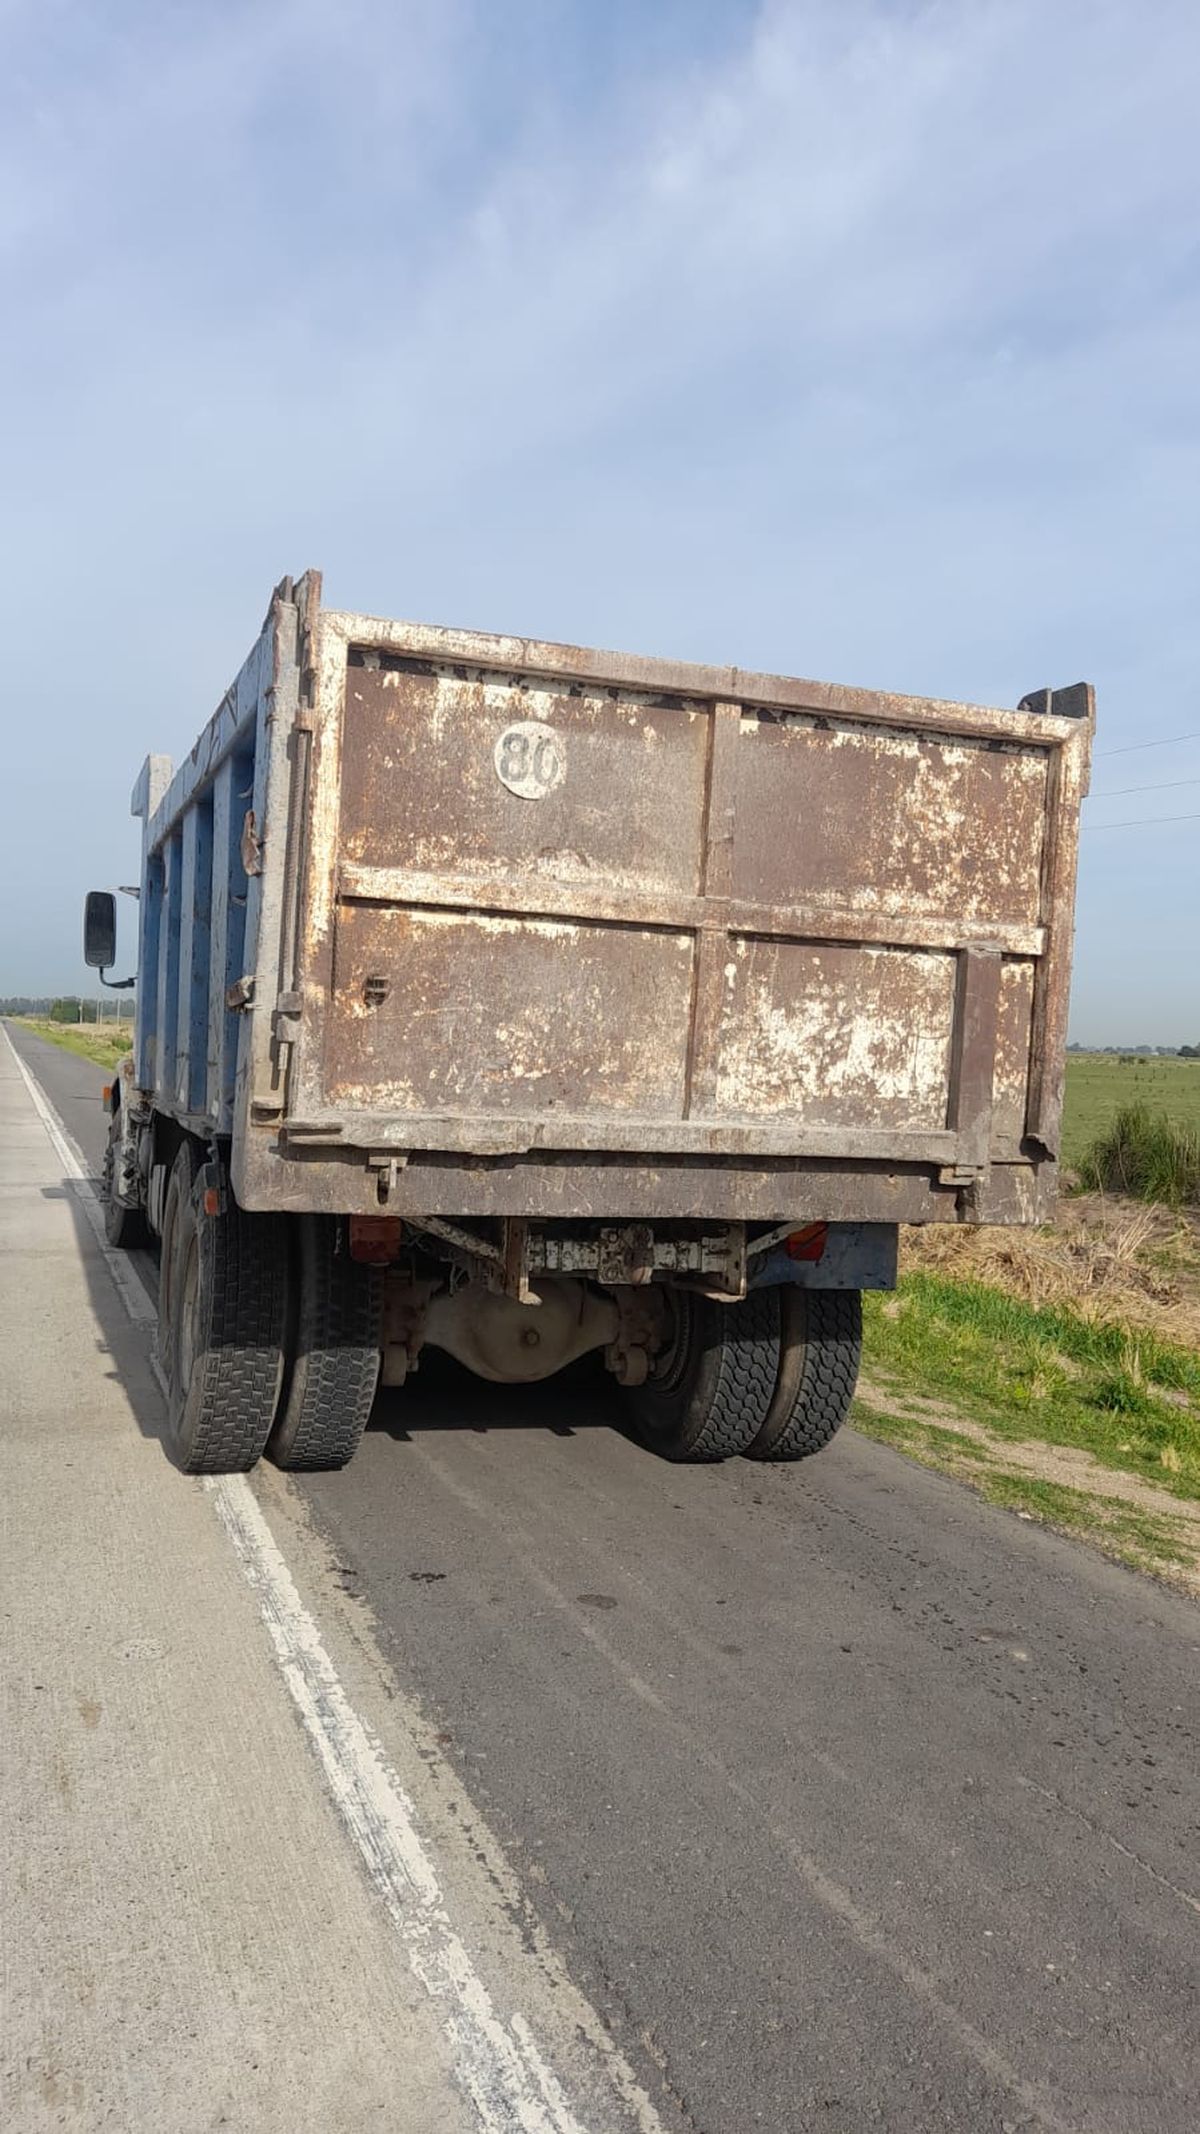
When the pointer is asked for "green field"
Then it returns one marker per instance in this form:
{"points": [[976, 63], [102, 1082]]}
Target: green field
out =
{"points": [[1044, 1373], [1098, 1085]]}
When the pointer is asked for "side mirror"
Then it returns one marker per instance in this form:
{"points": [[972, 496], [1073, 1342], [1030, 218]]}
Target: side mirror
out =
{"points": [[100, 930]]}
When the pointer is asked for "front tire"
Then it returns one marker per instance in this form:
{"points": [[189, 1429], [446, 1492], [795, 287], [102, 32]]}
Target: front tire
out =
{"points": [[334, 1348], [124, 1227], [820, 1347], [712, 1382], [224, 1277]]}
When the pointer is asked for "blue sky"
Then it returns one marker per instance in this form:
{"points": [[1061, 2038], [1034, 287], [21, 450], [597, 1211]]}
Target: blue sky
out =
{"points": [[856, 340]]}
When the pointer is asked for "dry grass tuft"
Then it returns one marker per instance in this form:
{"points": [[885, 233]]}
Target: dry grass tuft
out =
{"points": [[1108, 1260]]}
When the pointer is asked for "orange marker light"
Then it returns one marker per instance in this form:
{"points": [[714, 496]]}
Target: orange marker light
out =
{"points": [[807, 1244]]}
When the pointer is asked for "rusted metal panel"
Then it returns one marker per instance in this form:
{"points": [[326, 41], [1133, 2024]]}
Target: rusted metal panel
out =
{"points": [[847, 1037], [522, 657], [1068, 783], [973, 1054], [716, 881], [802, 887], [546, 899], [492, 1134], [262, 1065], [1014, 1029], [884, 821], [420, 786], [211, 937], [568, 1186], [477, 1015], [615, 920]]}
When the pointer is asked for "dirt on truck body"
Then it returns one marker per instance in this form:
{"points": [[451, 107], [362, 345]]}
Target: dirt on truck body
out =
{"points": [[527, 1000]]}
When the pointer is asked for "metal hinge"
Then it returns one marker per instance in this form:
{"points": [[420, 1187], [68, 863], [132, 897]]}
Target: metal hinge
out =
{"points": [[286, 1010]]}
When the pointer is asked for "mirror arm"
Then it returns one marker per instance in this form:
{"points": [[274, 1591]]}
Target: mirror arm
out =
{"points": [[116, 985]]}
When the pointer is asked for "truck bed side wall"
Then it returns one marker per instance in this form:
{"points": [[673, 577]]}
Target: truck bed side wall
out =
{"points": [[211, 904]]}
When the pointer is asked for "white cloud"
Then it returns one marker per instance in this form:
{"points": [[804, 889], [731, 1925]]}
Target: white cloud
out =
{"points": [[863, 341]]}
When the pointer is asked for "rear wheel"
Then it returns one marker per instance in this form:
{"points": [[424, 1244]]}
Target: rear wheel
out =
{"points": [[223, 1299], [124, 1227], [334, 1349], [712, 1382], [820, 1346]]}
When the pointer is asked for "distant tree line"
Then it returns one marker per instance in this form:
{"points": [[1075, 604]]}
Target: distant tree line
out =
{"points": [[67, 1008], [1143, 1052]]}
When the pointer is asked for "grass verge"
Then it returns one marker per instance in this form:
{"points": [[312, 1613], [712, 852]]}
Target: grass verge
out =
{"points": [[105, 1043], [1147, 1540], [1042, 1372]]}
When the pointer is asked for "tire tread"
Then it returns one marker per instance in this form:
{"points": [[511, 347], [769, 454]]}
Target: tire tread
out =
{"points": [[124, 1227], [223, 1425], [746, 1373], [832, 1347], [336, 1354], [723, 1399]]}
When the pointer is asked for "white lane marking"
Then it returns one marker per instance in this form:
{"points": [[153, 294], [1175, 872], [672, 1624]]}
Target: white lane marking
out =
{"points": [[500, 2065], [504, 2073]]}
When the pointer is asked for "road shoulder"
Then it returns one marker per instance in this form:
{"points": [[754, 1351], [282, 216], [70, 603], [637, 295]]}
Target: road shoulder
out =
{"points": [[190, 1940]]}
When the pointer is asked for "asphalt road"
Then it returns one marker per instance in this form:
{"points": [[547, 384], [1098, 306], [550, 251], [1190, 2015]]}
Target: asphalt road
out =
{"points": [[848, 1801]]}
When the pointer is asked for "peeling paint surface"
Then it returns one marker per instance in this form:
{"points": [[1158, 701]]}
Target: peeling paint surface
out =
{"points": [[420, 788], [752, 914], [840, 1035], [890, 822], [1014, 1036]]}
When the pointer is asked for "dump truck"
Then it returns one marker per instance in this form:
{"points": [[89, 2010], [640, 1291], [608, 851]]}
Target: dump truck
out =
{"points": [[533, 1003]]}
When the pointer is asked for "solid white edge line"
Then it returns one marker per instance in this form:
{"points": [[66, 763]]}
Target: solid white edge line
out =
{"points": [[499, 2065], [501, 2069]]}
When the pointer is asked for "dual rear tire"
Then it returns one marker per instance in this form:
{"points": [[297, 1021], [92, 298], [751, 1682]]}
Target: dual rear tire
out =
{"points": [[269, 1334], [771, 1377]]}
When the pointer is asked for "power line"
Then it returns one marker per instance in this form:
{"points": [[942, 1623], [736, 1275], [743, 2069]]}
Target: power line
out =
{"points": [[1141, 822], [1133, 746], [1164, 785]]}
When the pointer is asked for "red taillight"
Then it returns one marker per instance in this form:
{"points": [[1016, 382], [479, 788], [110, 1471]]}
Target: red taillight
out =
{"points": [[807, 1244], [375, 1238]]}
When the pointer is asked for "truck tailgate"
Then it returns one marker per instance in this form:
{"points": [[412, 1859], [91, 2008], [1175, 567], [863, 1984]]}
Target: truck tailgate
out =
{"points": [[555, 899]]}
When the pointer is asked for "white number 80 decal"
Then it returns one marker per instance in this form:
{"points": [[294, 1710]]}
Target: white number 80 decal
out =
{"points": [[529, 759]]}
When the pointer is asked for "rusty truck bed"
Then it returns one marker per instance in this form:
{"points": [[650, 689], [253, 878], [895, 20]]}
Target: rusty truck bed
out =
{"points": [[535, 930]]}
